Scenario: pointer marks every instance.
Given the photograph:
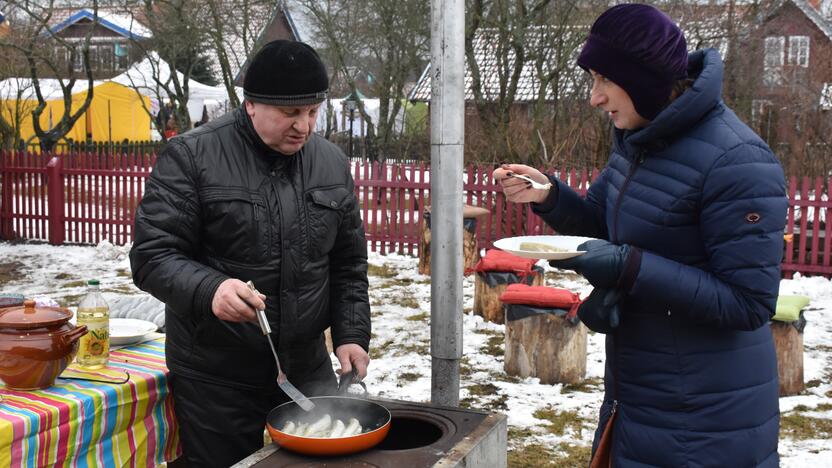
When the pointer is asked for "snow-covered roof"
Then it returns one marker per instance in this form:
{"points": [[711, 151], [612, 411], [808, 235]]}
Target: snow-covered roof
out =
{"points": [[824, 24], [141, 77], [124, 25], [49, 87], [537, 45]]}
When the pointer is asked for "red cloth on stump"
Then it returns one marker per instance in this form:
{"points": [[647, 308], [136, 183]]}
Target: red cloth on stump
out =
{"points": [[542, 296], [499, 260]]}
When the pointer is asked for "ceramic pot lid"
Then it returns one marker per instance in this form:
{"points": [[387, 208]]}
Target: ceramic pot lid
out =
{"points": [[32, 316]]}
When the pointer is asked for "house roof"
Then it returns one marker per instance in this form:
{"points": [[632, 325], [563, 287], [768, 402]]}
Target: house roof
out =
{"points": [[528, 84], [122, 24], [824, 24]]}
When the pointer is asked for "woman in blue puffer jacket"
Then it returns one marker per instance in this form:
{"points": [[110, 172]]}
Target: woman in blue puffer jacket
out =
{"points": [[689, 213]]}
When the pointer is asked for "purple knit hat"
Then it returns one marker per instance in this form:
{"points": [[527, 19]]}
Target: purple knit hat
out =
{"points": [[641, 50]]}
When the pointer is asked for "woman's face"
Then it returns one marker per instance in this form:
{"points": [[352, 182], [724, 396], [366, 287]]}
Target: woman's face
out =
{"points": [[613, 100]]}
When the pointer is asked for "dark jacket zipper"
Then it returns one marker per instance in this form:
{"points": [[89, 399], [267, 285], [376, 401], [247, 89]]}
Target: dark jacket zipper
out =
{"points": [[639, 158]]}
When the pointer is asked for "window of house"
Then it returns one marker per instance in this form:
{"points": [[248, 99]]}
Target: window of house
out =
{"points": [[122, 56], [78, 62], [105, 56], [759, 108], [799, 51], [773, 60]]}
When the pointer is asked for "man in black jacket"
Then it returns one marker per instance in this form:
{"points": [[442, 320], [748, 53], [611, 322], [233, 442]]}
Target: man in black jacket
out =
{"points": [[254, 196]]}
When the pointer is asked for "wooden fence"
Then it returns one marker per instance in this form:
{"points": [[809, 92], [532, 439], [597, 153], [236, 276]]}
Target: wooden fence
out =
{"points": [[84, 198]]}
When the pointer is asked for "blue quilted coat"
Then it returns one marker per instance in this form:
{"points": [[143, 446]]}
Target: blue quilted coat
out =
{"points": [[691, 370]]}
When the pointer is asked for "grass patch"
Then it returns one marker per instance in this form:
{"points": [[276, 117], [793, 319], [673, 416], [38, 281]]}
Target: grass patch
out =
{"points": [[406, 301], [62, 276], [121, 289], [75, 284], [483, 389], [70, 300], [584, 386], [560, 421], [423, 317], [10, 271], [409, 376], [540, 456], [382, 271], [378, 351], [503, 377], [124, 272], [486, 331], [465, 367], [494, 346], [420, 348], [797, 426], [813, 383], [518, 435]]}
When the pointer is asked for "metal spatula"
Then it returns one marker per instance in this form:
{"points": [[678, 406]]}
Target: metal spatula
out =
{"points": [[282, 382]]}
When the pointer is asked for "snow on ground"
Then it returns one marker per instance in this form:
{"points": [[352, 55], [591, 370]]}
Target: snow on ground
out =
{"points": [[553, 416]]}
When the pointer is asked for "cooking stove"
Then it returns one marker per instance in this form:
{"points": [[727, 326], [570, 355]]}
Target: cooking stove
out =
{"points": [[421, 435]]}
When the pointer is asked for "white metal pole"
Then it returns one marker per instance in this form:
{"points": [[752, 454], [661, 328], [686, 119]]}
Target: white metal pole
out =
{"points": [[447, 123]]}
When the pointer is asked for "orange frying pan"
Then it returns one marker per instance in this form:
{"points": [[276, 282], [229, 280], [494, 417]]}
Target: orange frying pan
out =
{"points": [[374, 419]]}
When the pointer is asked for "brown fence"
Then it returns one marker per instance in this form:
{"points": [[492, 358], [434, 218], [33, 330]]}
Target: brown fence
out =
{"points": [[84, 198]]}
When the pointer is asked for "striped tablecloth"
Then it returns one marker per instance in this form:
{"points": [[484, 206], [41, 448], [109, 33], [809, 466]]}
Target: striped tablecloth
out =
{"points": [[92, 424]]}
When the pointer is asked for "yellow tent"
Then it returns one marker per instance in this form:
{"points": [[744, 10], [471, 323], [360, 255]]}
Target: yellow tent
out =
{"points": [[115, 113]]}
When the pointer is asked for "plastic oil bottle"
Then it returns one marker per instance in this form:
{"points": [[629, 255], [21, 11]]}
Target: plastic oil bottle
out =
{"points": [[93, 311]]}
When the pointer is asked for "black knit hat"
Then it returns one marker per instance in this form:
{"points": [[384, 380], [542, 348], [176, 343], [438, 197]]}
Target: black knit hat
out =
{"points": [[286, 73], [641, 50]]}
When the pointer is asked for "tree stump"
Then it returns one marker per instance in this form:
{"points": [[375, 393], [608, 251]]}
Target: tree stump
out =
{"points": [[487, 298], [788, 343], [470, 252], [546, 346]]}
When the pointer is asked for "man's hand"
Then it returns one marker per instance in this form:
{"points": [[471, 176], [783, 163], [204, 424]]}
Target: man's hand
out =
{"points": [[518, 190], [352, 355], [235, 302]]}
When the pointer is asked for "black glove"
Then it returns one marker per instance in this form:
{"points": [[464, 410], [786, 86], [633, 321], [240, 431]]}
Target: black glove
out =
{"points": [[602, 264], [600, 312]]}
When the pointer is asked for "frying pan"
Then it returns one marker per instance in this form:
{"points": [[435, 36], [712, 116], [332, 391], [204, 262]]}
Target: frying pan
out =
{"points": [[374, 419]]}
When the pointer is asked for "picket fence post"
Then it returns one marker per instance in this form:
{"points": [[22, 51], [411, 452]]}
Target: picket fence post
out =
{"points": [[55, 194]]}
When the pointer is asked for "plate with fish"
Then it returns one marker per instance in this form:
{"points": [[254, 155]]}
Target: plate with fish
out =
{"points": [[543, 247]]}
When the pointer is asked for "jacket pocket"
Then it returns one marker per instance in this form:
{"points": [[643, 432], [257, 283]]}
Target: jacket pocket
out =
{"points": [[324, 209], [235, 225]]}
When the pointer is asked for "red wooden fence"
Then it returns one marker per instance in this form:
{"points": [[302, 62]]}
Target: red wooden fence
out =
{"points": [[84, 198]]}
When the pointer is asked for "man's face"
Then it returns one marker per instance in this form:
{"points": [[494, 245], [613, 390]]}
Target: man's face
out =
{"points": [[612, 98], [284, 129]]}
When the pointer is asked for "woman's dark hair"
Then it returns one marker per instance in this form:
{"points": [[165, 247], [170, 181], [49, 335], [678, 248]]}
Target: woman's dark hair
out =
{"points": [[680, 87]]}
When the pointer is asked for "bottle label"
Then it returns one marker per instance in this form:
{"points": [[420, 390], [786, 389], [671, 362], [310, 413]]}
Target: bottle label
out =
{"points": [[94, 346]]}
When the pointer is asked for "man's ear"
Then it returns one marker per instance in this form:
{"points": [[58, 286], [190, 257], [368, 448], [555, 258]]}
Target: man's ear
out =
{"points": [[250, 108]]}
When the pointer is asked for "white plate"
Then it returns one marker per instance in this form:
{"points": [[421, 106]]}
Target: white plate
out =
{"points": [[567, 244], [126, 331]]}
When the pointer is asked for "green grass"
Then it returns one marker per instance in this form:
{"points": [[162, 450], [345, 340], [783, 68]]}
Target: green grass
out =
{"points": [[540, 456], [409, 376], [423, 317], [10, 271], [560, 421], [584, 386], [409, 302], [124, 272], [494, 346], [62, 276], [74, 284], [483, 389], [797, 426], [382, 271]]}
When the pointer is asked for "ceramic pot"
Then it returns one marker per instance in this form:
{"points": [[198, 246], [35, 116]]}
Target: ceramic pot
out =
{"points": [[36, 345]]}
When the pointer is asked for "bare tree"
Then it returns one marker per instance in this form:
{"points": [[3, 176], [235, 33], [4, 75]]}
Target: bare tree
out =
{"points": [[43, 52], [385, 40]]}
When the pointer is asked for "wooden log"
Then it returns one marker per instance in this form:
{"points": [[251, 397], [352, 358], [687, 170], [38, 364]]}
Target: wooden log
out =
{"points": [[487, 299], [470, 251], [546, 346], [788, 343]]}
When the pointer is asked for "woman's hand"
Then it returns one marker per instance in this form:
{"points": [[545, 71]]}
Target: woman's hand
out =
{"points": [[518, 190]]}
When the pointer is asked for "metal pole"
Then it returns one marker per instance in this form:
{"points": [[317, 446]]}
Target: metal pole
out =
{"points": [[447, 122], [351, 111]]}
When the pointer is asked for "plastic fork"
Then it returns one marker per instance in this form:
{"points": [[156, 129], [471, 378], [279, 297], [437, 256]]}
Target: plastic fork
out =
{"points": [[535, 184], [296, 395]]}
